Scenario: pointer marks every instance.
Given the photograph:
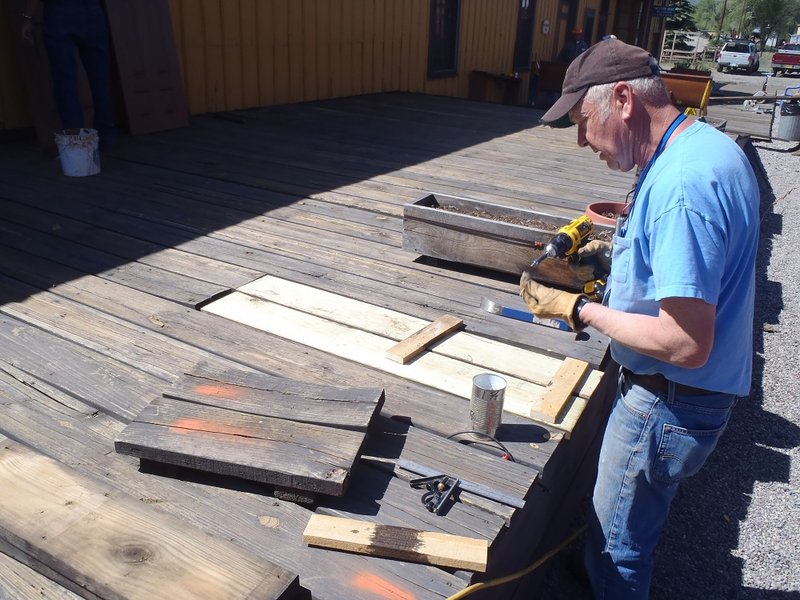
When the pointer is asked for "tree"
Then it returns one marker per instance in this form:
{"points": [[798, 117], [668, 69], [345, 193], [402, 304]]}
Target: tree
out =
{"points": [[778, 16], [738, 20], [677, 26], [707, 14]]}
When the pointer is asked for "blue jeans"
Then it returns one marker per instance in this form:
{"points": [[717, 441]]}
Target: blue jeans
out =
{"points": [[71, 27], [652, 442]]}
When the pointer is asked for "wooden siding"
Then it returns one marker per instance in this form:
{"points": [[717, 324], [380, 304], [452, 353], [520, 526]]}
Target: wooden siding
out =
{"points": [[246, 53], [547, 46]]}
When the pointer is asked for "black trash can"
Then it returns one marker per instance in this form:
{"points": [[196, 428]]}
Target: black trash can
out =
{"points": [[789, 124]]}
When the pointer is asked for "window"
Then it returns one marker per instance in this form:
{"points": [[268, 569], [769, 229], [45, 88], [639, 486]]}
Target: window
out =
{"points": [[443, 46], [524, 43]]}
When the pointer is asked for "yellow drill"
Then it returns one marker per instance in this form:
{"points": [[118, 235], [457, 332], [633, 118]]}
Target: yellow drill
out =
{"points": [[568, 239]]}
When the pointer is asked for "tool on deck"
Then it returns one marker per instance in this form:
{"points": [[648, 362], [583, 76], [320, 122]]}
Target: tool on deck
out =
{"points": [[568, 239], [440, 490], [521, 315]]}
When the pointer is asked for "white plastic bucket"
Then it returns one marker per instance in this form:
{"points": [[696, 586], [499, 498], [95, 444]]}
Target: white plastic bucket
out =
{"points": [[78, 152]]}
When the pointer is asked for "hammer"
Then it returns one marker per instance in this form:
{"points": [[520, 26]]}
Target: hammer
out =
{"points": [[521, 315]]}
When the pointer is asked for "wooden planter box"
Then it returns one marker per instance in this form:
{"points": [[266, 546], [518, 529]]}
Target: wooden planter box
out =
{"points": [[491, 241]]}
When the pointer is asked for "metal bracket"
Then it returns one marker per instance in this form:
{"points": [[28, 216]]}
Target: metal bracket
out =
{"points": [[440, 489]]}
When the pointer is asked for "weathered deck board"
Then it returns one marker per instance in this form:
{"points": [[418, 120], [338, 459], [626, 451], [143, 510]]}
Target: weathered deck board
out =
{"points": [[404, 543], [345, 273], [276, 433], [116, 547], [21, 582], [101, 276], [283, 453], [260, 394], [263, 525]]}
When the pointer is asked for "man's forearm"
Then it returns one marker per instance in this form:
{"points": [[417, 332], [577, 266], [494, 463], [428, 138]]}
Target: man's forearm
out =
{"points": [[670, 337]]}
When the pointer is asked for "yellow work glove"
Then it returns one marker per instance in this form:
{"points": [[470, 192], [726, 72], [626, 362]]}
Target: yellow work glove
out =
{"points": [[548, 303]]}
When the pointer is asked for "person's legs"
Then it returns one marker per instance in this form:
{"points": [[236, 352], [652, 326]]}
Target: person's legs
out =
{"points": [[96, 57], [651, 443], [61, 44]]}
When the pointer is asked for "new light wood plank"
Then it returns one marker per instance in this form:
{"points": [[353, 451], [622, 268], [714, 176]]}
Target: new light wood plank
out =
{"points": [[558, 393], [117, 547], [435, 370], [418, 342], [489, 354], [403, 543]]}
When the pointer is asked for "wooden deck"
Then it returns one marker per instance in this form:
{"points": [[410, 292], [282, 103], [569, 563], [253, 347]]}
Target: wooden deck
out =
{"points": [[102, 278]]}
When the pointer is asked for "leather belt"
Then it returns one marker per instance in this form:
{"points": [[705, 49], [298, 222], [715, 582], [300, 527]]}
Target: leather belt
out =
{"points": [[658, 384]]}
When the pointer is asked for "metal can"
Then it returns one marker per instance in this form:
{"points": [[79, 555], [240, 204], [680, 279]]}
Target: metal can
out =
{"points": [[486, 403]]}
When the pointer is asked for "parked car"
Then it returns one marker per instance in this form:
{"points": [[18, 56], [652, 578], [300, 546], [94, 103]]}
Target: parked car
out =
{"points": [[787, 59], [738, 54]]}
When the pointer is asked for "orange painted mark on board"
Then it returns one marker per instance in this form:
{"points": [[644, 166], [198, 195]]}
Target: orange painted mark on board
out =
{"points": [[370, 582], [219, 391], [208, 426]]}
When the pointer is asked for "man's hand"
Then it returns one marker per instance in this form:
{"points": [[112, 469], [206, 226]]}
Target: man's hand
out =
{"points": [[547, 303], [596, 251]]}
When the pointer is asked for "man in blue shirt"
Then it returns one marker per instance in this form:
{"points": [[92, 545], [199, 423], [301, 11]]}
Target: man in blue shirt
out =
{"points": [[679, 306]]}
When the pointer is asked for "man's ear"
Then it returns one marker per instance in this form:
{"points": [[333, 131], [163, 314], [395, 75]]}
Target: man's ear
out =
{"points": [[622, 99]]}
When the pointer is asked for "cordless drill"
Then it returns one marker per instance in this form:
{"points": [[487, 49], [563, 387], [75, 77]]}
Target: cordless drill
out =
{"points": [[568, 239]]}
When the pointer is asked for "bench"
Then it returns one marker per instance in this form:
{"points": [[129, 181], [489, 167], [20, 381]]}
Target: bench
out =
{"points": [[494, 87]]}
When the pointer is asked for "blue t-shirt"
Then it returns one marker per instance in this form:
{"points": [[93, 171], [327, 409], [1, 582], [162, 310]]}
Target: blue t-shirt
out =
{"points": [[693, 233]]}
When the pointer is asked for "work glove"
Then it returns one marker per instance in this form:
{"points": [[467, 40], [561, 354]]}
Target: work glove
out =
{"points": [[592, 261], [548, 303], [597, 252]]}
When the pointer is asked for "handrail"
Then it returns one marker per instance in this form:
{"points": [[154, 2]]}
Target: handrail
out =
{"points": [[723, 99]]}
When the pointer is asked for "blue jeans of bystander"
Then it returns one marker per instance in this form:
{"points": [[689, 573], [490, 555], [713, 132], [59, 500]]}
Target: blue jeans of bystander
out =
{"points": [[78, 27], [652, 442]]}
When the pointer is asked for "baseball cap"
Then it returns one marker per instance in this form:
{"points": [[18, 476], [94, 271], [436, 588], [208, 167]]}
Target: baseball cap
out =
{"points": [[608, 61]]}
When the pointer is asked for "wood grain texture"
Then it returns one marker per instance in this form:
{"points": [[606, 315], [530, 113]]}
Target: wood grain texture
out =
{"points": [[223, 429], [311, 194], [479, 350], [337, 325], [432, 369], [402, 543], [488, 235], [265, 395], [116, 547], [569, 376], [149, 71], [20, 582], [418, 342]]}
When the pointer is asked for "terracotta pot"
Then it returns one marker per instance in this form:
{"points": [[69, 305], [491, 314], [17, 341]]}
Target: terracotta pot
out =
{"points": [[597, 212]]}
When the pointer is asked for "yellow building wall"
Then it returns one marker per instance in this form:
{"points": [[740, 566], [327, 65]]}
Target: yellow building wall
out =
{"points": [[239, 54], [245, 53], [547, 45]]}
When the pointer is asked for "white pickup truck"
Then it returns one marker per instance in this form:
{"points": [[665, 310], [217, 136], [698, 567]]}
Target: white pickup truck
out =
{"points": [[738, 54]]}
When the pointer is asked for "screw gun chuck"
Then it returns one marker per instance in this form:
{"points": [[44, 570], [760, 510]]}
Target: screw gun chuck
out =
{"points": [[568, 239]]}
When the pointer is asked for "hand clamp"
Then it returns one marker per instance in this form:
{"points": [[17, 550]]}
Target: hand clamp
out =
{"points": [[440, 489]]}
